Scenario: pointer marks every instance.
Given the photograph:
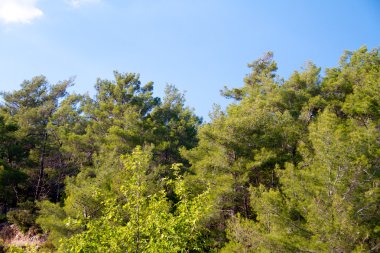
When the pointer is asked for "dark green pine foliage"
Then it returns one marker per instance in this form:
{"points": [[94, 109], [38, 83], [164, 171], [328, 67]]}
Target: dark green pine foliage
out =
{"points": [[32, 108], [118, 111], [174, 126], [255, 136], [329, 200], [123, 114], [11, 177], [290, 166]]}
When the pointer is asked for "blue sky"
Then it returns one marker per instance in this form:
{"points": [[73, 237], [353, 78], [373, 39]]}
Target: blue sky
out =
{"points": [[198, 45]]}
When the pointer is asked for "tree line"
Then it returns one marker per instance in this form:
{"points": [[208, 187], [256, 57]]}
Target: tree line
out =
{"points": [[291, 165]]}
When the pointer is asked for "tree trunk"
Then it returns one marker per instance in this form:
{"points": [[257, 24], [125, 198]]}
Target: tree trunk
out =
{"points": [[41, 170]]}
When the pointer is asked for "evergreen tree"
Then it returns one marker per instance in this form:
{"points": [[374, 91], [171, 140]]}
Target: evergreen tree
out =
{"points": [[328, 202], [244, 145], [10, 175], [290, 166], [33, 107]]}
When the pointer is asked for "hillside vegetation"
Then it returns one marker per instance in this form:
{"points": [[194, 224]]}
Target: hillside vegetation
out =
{"points": [[290, 166]]}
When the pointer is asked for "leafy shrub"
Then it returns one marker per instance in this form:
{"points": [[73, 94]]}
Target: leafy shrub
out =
{"points": [[24, 217], [24, 249]]}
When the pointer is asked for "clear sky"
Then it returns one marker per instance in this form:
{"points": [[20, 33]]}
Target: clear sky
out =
{"points": [[197, 45]]}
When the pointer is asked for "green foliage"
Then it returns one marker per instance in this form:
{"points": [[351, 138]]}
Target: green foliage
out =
{"points": [[118, 112], [9, 180], [10, 153], [139, 222], [24, 216], [32, 107], [328, 201], [62, 220], [26, 249], [174, 127], [290, 166], [260, 132]]}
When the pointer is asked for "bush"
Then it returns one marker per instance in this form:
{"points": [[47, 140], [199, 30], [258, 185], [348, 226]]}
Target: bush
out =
{"points": [[25, 249], [24, 217]]}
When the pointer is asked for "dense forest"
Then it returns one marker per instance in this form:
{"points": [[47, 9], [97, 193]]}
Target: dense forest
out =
{"points": [[290, 166]]}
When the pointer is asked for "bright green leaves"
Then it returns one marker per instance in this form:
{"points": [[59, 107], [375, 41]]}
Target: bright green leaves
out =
{"points": [[141, 222], [291, 166], [92, 134]]}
